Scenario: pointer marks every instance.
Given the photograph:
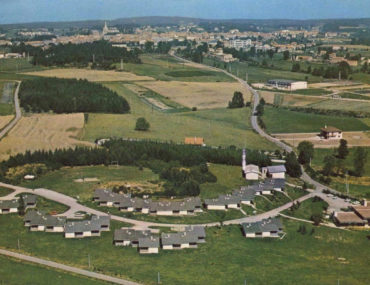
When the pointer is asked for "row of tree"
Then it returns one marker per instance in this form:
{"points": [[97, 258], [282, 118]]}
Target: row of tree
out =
{"points": [[70, 95]]}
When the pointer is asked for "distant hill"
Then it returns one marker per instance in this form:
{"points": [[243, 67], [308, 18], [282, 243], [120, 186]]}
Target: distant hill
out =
{"points": [[163, 21]]}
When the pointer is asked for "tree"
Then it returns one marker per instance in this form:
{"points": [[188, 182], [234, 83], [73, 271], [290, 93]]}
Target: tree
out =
{"points": [[21, 207], [359, 161], [286, 55], [296, 67], [329, 164], [237, 101], [270, 53], [260, 109], [292, 166], [142, 124], [306, 152], [343, 149]]}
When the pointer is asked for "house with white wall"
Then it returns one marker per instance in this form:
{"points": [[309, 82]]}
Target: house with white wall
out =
{"points": [[271, 227]]}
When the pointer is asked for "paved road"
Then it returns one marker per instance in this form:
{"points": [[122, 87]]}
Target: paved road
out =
{"points": [[18, 113], [66, 268]]}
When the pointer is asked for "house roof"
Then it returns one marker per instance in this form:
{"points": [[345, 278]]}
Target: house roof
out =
{"points": [[363, 211], [36, 218], [266, 225], [194, 140], [244, 193], [178, 238], [29, 198], [130, 234], [348, 218], [94, 224], [7, 204], [150, 242], [251, 168], [276, 168], [199, 231], [330, 129], [223, 200]]}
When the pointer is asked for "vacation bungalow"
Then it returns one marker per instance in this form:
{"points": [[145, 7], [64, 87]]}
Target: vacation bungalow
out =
{"points": [[87, 228], [148, 245], [179, 240], [245, 194], [127, 237], [9, 206], [363, 212], [38, 221], [29, 200], [223, 202], [271, 227], [198, 231]]}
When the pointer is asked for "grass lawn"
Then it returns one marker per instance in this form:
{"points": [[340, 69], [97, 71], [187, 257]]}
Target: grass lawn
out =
{"points": [[15, 65], [280, 120], [294, 192], [226, 257], [307, 209], [167, 68], [5, 191], [63, 180], [358, 186], [37, 274], [344, 105], [268, 202], [48, 206], [219, 127]]}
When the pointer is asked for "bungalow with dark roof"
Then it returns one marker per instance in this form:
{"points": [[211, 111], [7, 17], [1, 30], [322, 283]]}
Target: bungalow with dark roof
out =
{"points": [[87, 228], [148, 245], [9, 206], [223, 202], [179, 240], [271, 227], [127, 237], [29, 200], [38, 221]]}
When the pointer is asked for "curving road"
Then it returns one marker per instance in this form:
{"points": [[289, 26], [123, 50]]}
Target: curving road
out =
{"points": [[18, 113]]}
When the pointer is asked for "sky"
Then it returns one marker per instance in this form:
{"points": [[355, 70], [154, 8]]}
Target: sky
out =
{"points": [[21, 11]]}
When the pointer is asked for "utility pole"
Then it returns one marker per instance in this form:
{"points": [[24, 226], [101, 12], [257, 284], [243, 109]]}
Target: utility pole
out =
{"points": [[159, 278], [89, 260], [19, 245], [246, 77], [347, 186], [93, 58], [121, 64]]}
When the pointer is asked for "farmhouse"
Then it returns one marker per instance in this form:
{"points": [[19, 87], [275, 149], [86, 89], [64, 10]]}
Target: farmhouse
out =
{"points": [[331, 133], [194, 141], [266, 228], [275, 172], [283, 84], [87, 228], [179, 240], [148, 245], [127, 237], [9, 206], [37, 221], [348, 219]]}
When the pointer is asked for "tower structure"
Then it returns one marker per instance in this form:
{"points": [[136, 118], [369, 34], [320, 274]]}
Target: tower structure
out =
{"points": [[244, 160]]}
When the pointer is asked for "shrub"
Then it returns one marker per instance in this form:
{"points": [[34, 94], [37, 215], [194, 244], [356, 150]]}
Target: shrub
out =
{"points": [[142, 124]]}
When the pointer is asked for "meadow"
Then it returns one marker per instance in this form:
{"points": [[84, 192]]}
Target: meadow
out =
{"points": [[280, 120], [15, 65], [37, 274], [167, 68], [6, 99], [219, 127], [226, 257], [307, 209]]}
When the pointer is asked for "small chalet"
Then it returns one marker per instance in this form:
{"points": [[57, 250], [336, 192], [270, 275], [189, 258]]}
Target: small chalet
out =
{"points": [[194, 141], [266, 228], [148, 245], [331, 133]]}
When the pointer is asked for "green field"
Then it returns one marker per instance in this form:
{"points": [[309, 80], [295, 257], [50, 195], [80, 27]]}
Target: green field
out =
{"points": [[5, 191], [259, 74], [307, 209], [280, 120], [6, 105], [167, 68], [15, 65], [11, 268], [344, 105], [218, 127], [266, 203], [226, 258], [63, 180]]}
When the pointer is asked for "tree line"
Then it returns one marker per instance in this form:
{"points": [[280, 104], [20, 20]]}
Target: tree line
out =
{"points": [[99, 54], [68, 96]]}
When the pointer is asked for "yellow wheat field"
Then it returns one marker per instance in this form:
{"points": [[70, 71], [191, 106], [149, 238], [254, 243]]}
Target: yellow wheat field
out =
{"points": [[203, 95], [90, 75], [4, 120], [43, 131]]}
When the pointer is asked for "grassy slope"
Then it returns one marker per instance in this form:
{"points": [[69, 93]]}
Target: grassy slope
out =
{"points": [[167, 68], [63, 180], [218, 127], [307, 209], [15, 65], [286, 121], [226, 258], [35, 274], [5, 191]]}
